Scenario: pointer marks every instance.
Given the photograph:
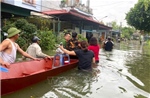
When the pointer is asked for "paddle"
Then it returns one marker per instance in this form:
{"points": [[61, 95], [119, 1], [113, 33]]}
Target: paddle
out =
{"points": [[3, 69]]}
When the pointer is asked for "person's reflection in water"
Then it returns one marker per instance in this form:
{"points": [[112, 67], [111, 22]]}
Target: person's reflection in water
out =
{"points": [[77, 84], [95, 71]]}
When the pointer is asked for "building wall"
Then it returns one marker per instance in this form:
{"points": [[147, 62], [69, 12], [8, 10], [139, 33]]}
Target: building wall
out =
{"points": [[28, 4], [51, 5], [8, 1]]}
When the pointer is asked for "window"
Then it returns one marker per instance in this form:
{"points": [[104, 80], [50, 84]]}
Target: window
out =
{"points": [[32, 2]]}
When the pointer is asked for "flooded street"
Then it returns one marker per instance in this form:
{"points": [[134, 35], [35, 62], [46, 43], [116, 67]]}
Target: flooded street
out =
{"points": [[124, 73]]}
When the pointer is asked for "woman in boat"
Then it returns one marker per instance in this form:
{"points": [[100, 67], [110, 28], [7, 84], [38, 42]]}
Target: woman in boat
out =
{"points": [[93, 45], [35, 50], [85, 56], [8, 48]]}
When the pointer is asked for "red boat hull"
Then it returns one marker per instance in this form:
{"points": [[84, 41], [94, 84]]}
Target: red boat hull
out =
{"points": [[31, 72]]}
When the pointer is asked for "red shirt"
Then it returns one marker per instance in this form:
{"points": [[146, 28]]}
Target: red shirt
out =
{"points": [[95, 49]]}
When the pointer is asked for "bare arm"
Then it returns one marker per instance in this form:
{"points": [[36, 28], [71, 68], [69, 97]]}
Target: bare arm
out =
{"points": [[4, 45], [67, 51], [24, 53], [93, 59]]}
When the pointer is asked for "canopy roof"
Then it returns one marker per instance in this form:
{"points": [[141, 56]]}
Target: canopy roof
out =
{"points": [[75, 16]]}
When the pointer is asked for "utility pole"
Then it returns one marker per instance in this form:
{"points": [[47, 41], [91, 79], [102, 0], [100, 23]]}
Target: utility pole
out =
{"points": [[120, 28], [88, 5]]}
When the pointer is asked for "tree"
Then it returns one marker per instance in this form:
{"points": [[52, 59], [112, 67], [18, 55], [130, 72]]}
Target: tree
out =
{"points": [[139, 16], [127, 32], [115, 26], [28, 31]]}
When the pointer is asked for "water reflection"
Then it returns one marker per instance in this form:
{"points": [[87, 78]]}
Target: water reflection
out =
{"points": [[125, 74], [77, 84], [140, 67]]}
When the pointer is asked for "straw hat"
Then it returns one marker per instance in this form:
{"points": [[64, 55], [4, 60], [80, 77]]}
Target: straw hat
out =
{"points": [[12, 31]]}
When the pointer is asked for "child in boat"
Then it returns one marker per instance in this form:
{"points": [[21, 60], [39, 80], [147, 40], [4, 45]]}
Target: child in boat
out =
{"points": [[93, 45], [85, 56], [8, 48]]}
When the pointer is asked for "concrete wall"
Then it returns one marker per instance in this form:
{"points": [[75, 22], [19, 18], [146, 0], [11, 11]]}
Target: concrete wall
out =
{"points": [[8, 1], [51, 5], [28, 4]]}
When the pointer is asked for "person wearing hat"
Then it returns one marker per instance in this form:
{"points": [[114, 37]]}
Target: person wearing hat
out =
{"points": [[35, 50], [8, 48]]}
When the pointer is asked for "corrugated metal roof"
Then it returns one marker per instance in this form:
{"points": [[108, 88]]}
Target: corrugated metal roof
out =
{"points": [[77, 14]]}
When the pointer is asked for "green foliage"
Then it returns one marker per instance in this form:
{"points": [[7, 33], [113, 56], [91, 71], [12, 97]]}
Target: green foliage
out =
{"points": [[20, 23], [145, 3], [115, 26], [41, 23], [28, 31], [139, 16], [127, 32], [81, 37], [22, 43], [60, 37], [48, 40], [7, 26], [29, 28]]}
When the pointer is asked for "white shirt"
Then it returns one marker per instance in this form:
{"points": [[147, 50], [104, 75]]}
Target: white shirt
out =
{"points": [[35, 50], [10, 58]]}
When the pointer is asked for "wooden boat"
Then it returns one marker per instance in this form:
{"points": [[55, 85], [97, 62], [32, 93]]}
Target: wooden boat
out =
{"points": [[23, 74]]}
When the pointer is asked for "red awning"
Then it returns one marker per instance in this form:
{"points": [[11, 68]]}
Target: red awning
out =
{"points": [[77, 14], [55, 12], [58, 12]]}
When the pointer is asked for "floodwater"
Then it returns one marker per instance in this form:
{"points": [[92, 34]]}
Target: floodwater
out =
{"points": [[124, 73]]}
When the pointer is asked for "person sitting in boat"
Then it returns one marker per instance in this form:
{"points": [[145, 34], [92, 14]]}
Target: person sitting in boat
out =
{"points": [[35, 50], [85, 56], [73, 42], [8, 48]]}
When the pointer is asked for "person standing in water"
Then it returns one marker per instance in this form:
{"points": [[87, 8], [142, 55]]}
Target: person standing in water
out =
{"points": [[93, 45], [85, 56]]}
